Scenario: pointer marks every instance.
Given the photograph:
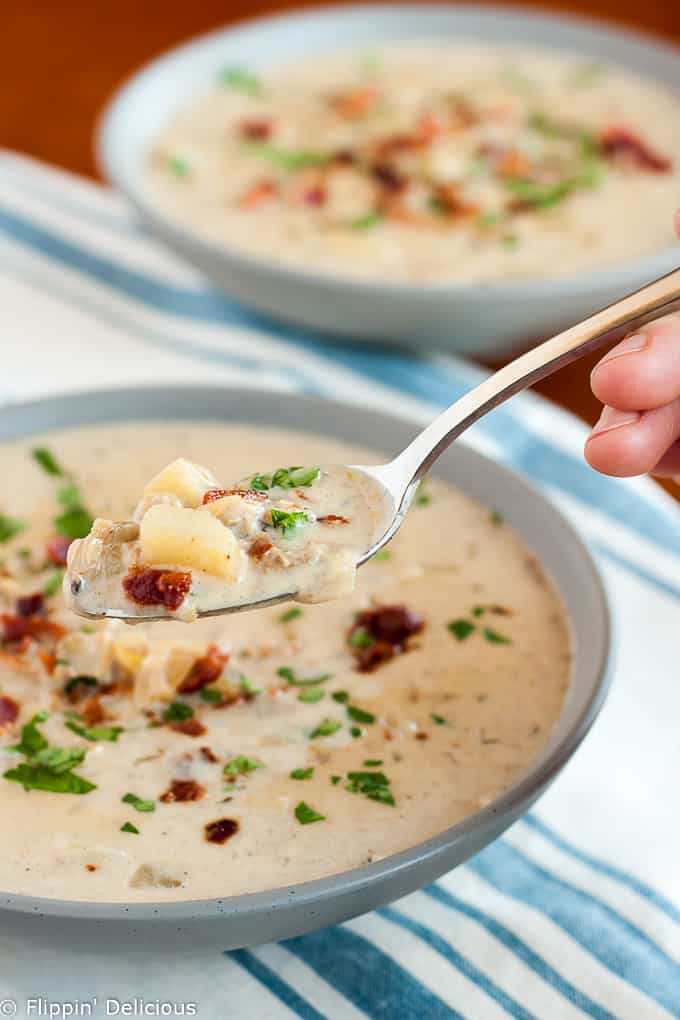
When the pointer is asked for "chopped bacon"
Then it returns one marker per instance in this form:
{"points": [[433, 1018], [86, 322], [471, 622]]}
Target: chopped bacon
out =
{"points": [[333, 519], [428, 128], [49, 661], [92, 711], [151, 587], [258, 193], [448, 201], [256, 129], [344, 157], [204, 671], [189, 727], [259, 547], [208, 755], [620, 143], [31, 605], [221, 830], [250, 495], [314, 196], [182, 790], [56, 550], [388, 178], [19, 628], [355, 102], [388, 629], [9, 711]]}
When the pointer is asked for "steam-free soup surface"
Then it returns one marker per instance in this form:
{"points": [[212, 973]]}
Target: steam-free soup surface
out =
{"points": [[268, 748]]}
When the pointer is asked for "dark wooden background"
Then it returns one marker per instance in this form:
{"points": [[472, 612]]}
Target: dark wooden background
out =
{"points": [[60, 62]]}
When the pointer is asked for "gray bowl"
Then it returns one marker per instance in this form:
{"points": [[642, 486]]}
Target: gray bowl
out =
{"points": [[485, 318], [281, 913]]}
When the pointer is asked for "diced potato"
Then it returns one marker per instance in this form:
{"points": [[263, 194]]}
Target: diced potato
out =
{"points": [[177, 536], [162, 671], [188, 481]]}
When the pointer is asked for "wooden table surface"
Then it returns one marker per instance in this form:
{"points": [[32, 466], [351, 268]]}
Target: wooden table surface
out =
{"points": [[62, 61]]}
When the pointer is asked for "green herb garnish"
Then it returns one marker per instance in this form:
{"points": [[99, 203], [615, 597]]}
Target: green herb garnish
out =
{"points": [[94, 733], [47, 461], [32, 739], [461, 629], [129, 827], [340, 696], [296, 681], [478, 611], [360, 714], [335, 780], [290, 614], [382, 554], [9, 527], [75, 521], [138, 803], [311, 695], [374, 785], [373, 762], [240, 765], [491, 218], [53, 583], [366, 222], [242, 80], [302, 773], [288, 159], [495, 638], [422, 496], [178, 711], [361, 638], [286, 478], [178, 165], [439, 720], [326, 728], [76, 681], [210, 695], [59, 759], [288, 520], [355, 731], [40, 777], [306, 814], [496, 518], [247, 686]]}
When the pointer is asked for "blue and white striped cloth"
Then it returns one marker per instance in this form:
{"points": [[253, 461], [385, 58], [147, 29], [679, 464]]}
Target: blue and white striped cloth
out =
{"points": [[575, 912]]}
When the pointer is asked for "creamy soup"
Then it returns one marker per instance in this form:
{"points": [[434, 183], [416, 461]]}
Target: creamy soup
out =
{"points": [[427, 163], [195, 548], [165, 761]]}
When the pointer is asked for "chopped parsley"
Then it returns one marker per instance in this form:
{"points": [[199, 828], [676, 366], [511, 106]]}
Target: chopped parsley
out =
{"points": [[9, 527], [373, 762], [53, 583], [286, 478], [461, 629], [47, 461], [210, 695], [290, 614], [178, 711], [76, 681], [247, 685], [288, 520], [138, 803], [382, 555], [241, 765], [311, 695], [326, 728], [422, 497], [129, 827], [93, 733], [242, 80], [374, 785], [75, 521], [60, 759], [496, 518], [302, 773], [360, 714], [342, 697], [371, 219], [478, 611], [32, 739], [439, 720], [361, 638], [297, 681], [178, 165], [288, 159], [306, 814], [491, 218], [41, 777], [355, 731], [495, 638], [47, 768], [335, 780]]}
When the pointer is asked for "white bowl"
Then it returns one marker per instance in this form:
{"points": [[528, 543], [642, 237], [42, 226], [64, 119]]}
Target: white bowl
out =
{"points": [[484, 318]]}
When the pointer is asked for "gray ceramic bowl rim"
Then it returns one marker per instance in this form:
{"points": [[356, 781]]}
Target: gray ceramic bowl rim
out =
{"points": [[113, 116], [314, 893]]}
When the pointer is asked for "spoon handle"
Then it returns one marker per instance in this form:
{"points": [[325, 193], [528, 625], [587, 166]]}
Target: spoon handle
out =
{"points": [[657, 298]]}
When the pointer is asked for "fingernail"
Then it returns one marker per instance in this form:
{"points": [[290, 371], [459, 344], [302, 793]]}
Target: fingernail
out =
{"points": [[634, 342], [612, 418]]}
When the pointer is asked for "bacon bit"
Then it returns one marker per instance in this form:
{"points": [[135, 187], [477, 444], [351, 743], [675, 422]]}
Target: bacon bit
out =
{"points": [[9, 711], [49, 661], [333, 519], [257, 194], [388, 177], [181, 791], [422, 735], [149, 587], [256, 130], [189, 727], [204, 671], [260, 547], [208, 755], [462, 114], [90, 867], [448, 200], [343, 157], [428, 128], [31, 605], [390, 627], [250, 495], [56, 550], [20, 628], [221, 831], [93, 712], [355, 102], [622, 144], [314, 196]]}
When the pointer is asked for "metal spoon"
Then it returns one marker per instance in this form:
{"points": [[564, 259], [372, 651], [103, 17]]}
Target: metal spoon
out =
{"points": [[401, 476]]}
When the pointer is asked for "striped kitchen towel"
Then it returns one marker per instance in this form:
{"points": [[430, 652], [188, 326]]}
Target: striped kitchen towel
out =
{"points": [[575, 911]]}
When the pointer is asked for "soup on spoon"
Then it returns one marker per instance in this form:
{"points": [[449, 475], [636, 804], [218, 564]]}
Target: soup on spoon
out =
{"points": [[194, 548]]}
